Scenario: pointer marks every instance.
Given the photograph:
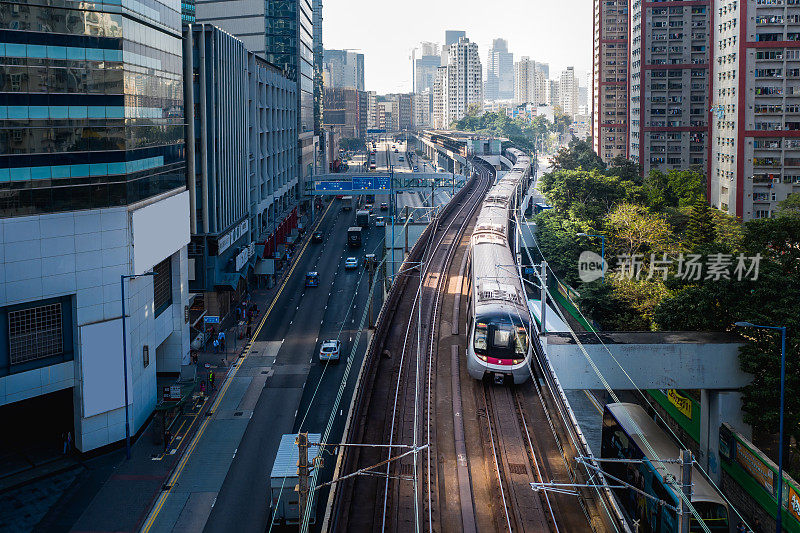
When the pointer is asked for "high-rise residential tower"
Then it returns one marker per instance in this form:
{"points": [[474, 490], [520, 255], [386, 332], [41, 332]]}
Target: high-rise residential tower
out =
{"points": [[93, 192], [451, 37], [499, 72], [755, 143], [669, 84], [463, 82], [568, 92], [609, 87], [530, 84], [319, 56]]}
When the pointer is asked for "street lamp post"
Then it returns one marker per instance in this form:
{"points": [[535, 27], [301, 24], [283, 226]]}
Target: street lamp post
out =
{"points": [[782, 329], [122, 279], [602, 249]]}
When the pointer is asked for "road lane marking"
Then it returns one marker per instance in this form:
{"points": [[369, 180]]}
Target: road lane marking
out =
{"points": [[162, 498]]}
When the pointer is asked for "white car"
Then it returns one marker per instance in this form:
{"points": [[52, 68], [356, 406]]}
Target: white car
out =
{"points": [[350, 263], [380, 222], [330, 351]]}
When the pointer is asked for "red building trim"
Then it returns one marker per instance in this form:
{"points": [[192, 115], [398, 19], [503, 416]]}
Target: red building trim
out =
{"points": [[742, 103], [789, 134], [773, 44], [672, 67], [666, 129], [676, 3]]}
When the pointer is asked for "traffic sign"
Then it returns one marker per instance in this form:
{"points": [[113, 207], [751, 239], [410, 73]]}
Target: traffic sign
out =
{"points": [[211, 319]]}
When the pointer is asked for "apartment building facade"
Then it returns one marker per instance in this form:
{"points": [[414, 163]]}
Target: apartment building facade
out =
{"points": [[755, 148], [530, 84], [94, 193], [462, 83], [499, 72], [609, 87], [670, 83]]}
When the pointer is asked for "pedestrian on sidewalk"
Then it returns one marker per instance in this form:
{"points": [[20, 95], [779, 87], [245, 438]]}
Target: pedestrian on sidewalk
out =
{"points": [[221, 338], [211, 380], [215, 344]]}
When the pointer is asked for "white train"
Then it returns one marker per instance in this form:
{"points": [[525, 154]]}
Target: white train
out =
{"points": [[499, 320]]}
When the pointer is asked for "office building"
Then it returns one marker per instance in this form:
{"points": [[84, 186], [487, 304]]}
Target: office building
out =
{"points": [[461, 86], [319, 56], [530, 84], [242, 154], [669, 85], [187, 11], [425, 60], [346, 111], [93, 181], [499, 72], [609, 94], [344, 69], [545, 68], [755, 150], [553, 93], [568, 92]]}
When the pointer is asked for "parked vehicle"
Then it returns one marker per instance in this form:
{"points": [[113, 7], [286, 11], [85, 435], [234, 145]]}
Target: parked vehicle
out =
{"points": [[330, 351]]}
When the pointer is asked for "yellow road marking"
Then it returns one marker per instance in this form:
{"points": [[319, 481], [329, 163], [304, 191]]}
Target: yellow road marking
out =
{"points": [[187, 454], [594, 401]]}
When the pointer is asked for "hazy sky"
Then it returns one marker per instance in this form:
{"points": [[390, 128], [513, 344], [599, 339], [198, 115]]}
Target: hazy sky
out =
{"points": [[554, 31]]}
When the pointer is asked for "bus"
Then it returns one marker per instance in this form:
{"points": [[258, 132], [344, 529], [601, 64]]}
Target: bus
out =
{"points": [[354, 237], [626, 426]]}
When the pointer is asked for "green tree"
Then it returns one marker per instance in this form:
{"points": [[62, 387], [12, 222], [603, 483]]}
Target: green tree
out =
{"points": [[700, 229], [578, 156], [791, 205], [581, 195], [634, 230]]}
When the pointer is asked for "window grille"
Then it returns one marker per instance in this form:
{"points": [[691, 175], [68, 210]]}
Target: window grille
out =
{"points": [[162, 286], [35, 333]]}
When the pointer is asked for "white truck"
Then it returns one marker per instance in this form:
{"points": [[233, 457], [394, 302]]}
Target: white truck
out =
{"points": [[284, 501], [347, 203]]}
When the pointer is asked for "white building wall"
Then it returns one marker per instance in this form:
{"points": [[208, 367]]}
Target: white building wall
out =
{"points": [[82, 255]]}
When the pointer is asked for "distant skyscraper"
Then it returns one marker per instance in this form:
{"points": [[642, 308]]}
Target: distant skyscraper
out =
{"points": [[544, 68], [530, 85], [568, 92], [426, 60], [499, 72], [345, 69]]}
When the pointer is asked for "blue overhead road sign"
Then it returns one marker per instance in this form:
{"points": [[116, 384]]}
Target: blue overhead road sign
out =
{"points": [[355, 184]]}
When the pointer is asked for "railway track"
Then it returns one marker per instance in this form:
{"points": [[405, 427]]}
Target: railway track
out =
{"points": [[397, 410], [478, 446]]}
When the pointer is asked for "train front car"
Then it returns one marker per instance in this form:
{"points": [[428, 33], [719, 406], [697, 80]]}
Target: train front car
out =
{"points": [[499, 325]]}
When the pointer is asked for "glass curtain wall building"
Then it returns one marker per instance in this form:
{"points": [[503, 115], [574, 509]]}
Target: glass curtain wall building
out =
{"points": [[91, 106]]}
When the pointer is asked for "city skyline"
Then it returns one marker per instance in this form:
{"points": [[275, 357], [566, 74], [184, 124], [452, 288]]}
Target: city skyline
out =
{"points": [[388, 52]]}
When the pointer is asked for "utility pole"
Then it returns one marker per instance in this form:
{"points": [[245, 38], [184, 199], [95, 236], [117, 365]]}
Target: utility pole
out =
{"points": [[405, 246], [302, 474], [543, 280], [686, 488]]}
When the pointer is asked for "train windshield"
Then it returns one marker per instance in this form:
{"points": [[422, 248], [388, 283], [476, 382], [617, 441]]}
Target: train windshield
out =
{"points": [[500, 338], [714, 515]]}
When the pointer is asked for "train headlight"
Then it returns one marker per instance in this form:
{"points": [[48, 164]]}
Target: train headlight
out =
{"points": [[482, 357]]}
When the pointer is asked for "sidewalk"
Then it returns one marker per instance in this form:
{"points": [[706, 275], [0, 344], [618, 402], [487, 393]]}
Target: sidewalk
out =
{"points": [[125, 499]]}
